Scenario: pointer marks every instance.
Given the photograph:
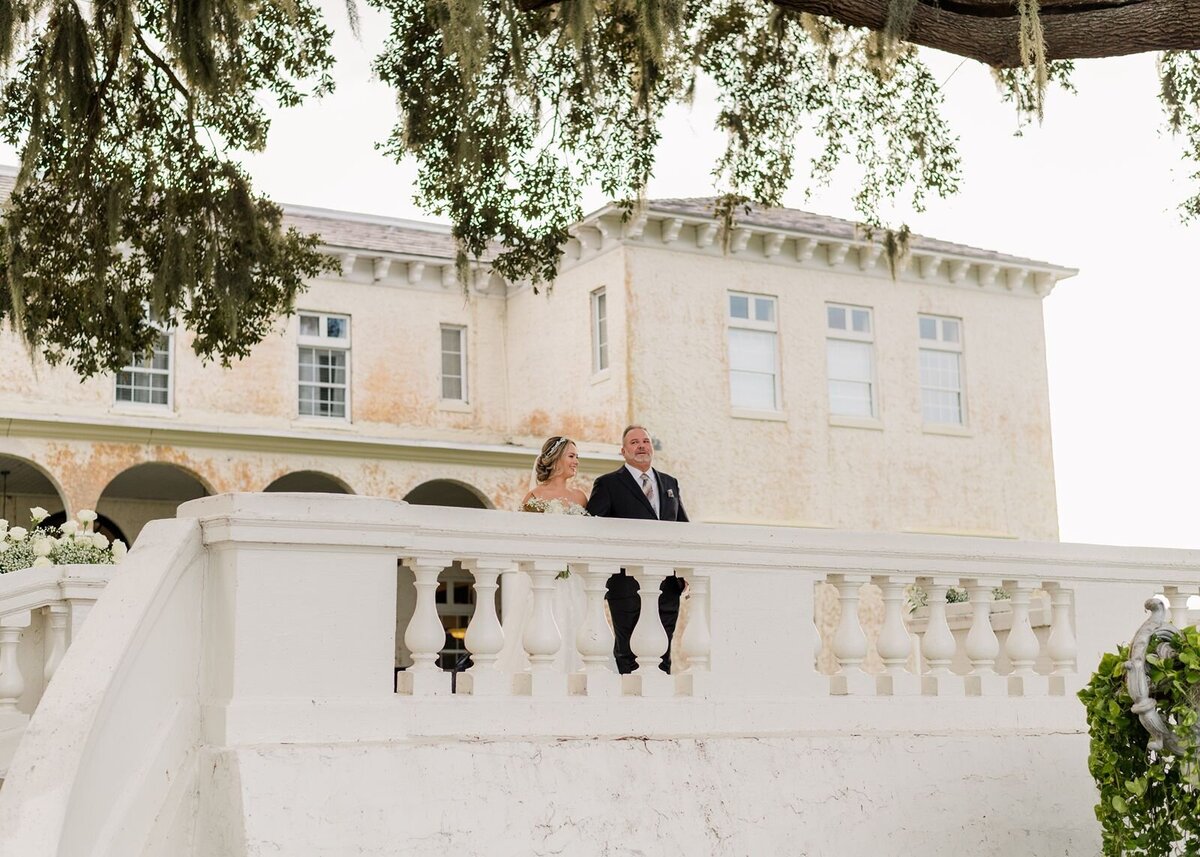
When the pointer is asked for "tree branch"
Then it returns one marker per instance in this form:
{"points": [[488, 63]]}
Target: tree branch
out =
{"points": [[986, 30]]}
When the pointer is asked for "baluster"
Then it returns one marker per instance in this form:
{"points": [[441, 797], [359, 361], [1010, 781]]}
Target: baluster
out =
{"points": [[982, 645], [938, 644], [849, 641], [485, 637], [55, 623], [542, 638], [696, 643], [649, 639], [1177, 599], [895, 643], [12, 680], [594, 637], [1060, 646], [1022, 646], [425, 636]]}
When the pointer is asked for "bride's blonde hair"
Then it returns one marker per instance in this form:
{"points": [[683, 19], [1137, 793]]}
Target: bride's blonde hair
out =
{"points": [[552, 451]]}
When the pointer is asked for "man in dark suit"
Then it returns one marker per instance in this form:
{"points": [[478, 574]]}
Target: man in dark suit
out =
{"points": [[637, 490]]}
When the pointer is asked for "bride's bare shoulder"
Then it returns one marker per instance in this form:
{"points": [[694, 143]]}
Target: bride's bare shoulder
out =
{"points": [[579, 497]]}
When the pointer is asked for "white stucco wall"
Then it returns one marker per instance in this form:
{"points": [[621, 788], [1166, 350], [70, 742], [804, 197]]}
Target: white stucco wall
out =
{"points": [[941, 796], [994, 477]]}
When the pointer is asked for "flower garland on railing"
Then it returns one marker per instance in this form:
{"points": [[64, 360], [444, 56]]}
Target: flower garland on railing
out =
{"points": [[73, 542]]}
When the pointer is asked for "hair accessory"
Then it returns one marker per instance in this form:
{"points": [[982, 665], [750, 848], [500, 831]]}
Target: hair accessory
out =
{"points": [[554, 448]]}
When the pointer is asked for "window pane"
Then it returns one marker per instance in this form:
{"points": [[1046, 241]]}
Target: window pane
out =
{"points": [[837, 317], [451, 339], [310, 325], [949, 330], [928, 327], [764, 309], [850, 398], [601, 306], [739, 306], [849, 361], [860, 319], [335, 328], [451, 387], [752, 350], [753, 390]]}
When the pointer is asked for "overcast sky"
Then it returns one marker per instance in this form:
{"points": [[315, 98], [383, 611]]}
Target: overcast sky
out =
{"points": [[1095, 187]]}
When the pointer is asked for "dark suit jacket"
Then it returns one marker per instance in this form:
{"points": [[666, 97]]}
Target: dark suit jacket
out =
{"points": [[617, 495]]}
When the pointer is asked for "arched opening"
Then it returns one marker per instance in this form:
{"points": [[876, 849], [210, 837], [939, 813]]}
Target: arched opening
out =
{"points": [[23, 486], [309, 482], [447, 492], [146, 492]]}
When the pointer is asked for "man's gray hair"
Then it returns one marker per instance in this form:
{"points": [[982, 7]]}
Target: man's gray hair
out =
{"points": [[630, 428]]}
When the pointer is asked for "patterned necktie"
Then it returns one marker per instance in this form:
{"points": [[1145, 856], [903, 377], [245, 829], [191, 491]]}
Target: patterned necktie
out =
{"points": [[648, 488]]}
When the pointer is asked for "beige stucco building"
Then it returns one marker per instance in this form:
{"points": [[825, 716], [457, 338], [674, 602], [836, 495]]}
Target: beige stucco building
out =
{"points": [[788, 376]]}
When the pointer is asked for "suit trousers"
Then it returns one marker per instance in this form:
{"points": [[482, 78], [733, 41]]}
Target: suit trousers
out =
{"points": [[625, 606]]}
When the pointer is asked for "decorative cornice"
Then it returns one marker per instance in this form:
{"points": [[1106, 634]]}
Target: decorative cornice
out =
{"points": [[993, 272], [144, 432]]}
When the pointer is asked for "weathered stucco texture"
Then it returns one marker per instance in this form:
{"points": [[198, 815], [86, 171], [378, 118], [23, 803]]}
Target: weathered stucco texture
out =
{"points": [[531, 375], [794, 795], [993, 478]]}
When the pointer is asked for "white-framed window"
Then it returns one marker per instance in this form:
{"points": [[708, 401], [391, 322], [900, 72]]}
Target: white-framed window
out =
{"points": [[753, 352], [324, 361], [148, 378], [454, 363], [599, 330], [941, 370], [850, 359]]}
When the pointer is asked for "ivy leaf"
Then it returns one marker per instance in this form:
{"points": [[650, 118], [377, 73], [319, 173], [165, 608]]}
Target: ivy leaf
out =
{"points": [[1118, 803]]}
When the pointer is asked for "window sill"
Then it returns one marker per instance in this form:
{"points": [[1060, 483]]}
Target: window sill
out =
{"points": [[324, 422], [455, 406], [133, 409], [766, 416], [845, 421], [601, 376], [947, 430]]}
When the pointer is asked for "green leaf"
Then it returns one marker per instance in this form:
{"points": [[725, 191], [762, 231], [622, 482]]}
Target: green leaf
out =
{"points": [[1119, 804]]}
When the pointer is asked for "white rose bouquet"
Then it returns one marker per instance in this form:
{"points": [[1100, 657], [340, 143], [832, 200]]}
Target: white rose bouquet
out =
{"points": [[73, 542]]}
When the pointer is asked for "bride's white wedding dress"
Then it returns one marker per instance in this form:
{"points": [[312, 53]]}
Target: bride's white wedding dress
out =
{"points": [[569, 606]]}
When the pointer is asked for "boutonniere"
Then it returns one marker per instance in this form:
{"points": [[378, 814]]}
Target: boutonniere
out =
{"points": [[671, 493]]}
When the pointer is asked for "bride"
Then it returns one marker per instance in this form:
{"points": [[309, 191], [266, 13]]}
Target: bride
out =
{"points": [[553, 495]]}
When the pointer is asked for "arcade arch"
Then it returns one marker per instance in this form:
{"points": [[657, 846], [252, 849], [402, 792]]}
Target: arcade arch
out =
{"points": [[148, 491]]}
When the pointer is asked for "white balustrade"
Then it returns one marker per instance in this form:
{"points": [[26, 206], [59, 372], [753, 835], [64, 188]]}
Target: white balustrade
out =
{"points": [[1022, 646], [894, 643], [542, 638], [12, 680], [982, 646], [425, 635], [1061, 646], [55, 625], [649, 640], [485, 637], [594, 638], [1177, 599], [696, 641], [849, 641], [938, 644]]}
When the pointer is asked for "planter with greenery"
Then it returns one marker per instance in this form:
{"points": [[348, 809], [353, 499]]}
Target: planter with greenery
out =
{"points": [[1142, 717]]}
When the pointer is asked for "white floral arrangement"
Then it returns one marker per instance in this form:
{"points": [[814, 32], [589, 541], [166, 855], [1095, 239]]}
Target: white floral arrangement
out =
{"points": [[554, 507], [73, 542]]}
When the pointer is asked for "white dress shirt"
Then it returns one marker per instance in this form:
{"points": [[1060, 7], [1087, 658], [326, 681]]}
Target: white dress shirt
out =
{"points": [[637, 477]]}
